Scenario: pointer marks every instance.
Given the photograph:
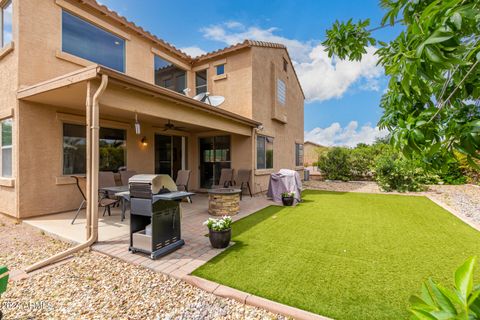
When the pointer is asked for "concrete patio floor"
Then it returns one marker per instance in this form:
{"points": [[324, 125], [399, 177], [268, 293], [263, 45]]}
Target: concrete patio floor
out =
{"points": [[114, 234]]}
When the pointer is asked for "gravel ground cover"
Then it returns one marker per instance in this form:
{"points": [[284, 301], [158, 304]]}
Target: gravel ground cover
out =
{"points": [[94, 286], [22, 245], [465, 199]]}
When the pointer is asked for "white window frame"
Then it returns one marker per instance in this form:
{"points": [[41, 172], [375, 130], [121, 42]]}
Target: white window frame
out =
{"points": [[2, 21], [216, 69], [6, 147]]}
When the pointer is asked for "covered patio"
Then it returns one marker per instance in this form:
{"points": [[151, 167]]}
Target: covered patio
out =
{"points": [[96, 98], [113, 234]]}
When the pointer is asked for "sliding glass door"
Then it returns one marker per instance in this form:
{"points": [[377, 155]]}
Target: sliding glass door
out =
{"points": [[214, 156], [170, 154]]}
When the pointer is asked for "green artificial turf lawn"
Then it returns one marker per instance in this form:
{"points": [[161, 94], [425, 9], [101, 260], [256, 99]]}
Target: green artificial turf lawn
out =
{"points": [[345, 255]]}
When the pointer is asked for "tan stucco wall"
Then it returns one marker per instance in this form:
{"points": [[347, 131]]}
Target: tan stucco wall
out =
{"points": [[311, 153], [44, 34], [235, 85], [44, 189], [268, 66], [9, 108], [248, 86]]}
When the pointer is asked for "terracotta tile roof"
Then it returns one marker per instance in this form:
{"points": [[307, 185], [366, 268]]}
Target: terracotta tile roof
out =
{"points": [[245, 44], [132, 26]]}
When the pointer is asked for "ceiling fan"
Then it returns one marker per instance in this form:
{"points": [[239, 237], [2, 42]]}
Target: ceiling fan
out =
{"points": [[170, 126]]}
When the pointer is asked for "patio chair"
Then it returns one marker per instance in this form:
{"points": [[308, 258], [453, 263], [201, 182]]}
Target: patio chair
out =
{"points": [[103, 200], [125, 175], [243, 180], [183, 176], [226, 179], [106, 200], [81, 183]]}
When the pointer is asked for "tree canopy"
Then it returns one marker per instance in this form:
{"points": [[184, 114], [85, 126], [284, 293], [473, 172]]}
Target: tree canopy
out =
{"points": [[432, 104]]}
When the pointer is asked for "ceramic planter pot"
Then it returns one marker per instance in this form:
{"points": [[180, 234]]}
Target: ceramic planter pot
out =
{"points": [[220, 239], [287, 201]]}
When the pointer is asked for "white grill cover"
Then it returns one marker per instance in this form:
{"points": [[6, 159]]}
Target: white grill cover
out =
{"points": [[285, 181]]}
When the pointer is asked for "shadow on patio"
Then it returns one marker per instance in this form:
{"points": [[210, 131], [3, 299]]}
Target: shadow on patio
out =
{"points": [[114, 234]]}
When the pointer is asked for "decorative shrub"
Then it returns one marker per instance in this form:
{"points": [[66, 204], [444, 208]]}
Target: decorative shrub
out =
{"points": [[453, 174], [335, 164], [396, 173], [362, 159]]}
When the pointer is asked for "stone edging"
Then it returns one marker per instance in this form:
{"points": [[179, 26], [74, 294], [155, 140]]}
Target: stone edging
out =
{"points": [[454, 212], [250, 299]]}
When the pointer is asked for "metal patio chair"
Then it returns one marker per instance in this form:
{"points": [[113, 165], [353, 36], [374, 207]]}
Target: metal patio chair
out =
{"points": [[106, 200], [243, 181], [183, 176], [226, 179], [125, 175]]}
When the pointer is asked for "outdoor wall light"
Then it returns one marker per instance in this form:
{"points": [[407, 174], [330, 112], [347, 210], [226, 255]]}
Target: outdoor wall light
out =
{"points": [[144, 141]]}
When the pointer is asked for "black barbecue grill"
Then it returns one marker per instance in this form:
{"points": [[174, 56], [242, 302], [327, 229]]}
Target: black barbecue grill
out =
{"points": [[152, 204]]}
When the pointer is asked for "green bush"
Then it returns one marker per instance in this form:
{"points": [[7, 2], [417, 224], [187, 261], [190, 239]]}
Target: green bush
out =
{"points": [[396, 173], [453, 174], [362, 158], [335, 164]]}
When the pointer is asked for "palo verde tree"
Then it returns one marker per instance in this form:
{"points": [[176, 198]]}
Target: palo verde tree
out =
{"points": [[432, 104]]}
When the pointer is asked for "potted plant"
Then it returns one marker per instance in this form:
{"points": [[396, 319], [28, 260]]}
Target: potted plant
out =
{"points": [[219, 231], [288, 198]]}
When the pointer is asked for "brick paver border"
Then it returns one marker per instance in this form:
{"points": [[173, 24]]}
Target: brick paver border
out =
{"points": [[250, 299]]}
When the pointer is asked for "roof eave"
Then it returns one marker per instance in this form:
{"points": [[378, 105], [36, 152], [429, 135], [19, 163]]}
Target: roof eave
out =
{"points": [[95, 71]]}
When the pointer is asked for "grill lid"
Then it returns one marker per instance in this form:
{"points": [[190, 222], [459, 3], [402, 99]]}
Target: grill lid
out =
{"points": [[155, 182]]}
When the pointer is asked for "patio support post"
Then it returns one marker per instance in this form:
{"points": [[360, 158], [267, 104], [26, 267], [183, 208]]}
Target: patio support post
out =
{"points": [[92, 178], [88, 136]]}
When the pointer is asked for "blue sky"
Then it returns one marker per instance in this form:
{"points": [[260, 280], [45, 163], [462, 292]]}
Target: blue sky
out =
{"points": [[342, 97]]}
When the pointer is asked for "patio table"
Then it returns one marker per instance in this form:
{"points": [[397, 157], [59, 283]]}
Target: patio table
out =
{"points": [[115, 190]]}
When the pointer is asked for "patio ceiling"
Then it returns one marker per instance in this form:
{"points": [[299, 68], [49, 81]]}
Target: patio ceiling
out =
{"points": [[125, 96]]}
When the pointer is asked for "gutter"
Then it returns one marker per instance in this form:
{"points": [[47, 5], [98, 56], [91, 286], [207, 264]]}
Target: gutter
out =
{"points": [[93, 129]]}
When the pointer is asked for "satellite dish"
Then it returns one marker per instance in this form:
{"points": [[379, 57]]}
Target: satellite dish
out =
{"points": [[200, 96], [215, 100]]}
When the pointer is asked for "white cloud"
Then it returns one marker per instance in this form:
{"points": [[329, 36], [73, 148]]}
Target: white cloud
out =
{"points": [[322, 78], [350, 136], [193, 51]]}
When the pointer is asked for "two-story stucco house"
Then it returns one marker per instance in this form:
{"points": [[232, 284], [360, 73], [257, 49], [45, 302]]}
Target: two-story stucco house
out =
{"points": [[54, 55]]}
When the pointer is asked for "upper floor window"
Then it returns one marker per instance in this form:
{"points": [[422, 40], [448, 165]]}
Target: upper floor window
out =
{"points": [[6, 24], [6, 147], [298, 154], [201, 81], [281, 91], [264, 152], [220, 69], [90, 42], [285, 65], [112, 149], [169, 76]]}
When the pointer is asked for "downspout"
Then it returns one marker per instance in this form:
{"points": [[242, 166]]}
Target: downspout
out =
{"points": [[93, 128]]}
